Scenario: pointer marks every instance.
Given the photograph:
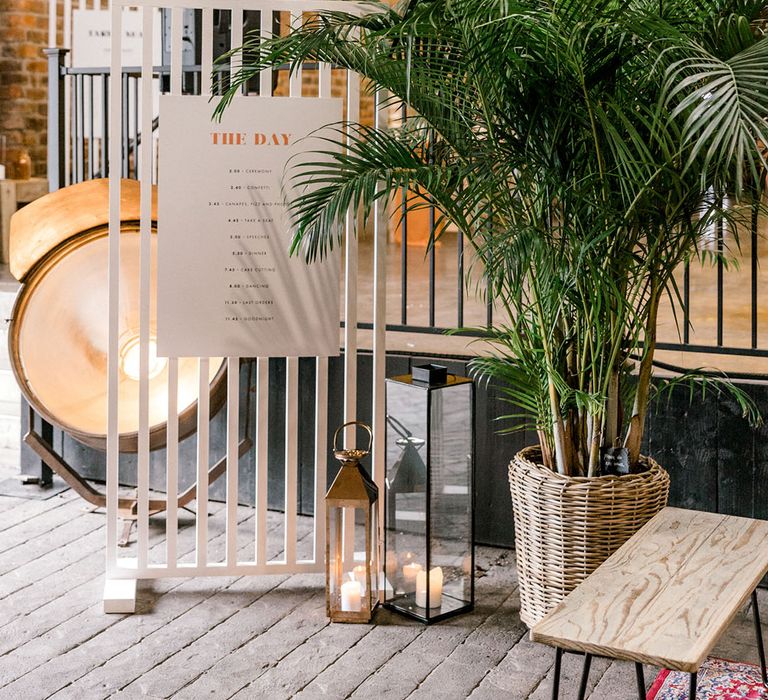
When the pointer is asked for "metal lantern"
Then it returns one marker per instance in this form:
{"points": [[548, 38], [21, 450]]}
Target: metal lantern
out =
{"points": [[352, 564], [429, 529]]}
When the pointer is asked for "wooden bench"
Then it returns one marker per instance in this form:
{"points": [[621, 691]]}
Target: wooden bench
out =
{"points": [[665, 597]]}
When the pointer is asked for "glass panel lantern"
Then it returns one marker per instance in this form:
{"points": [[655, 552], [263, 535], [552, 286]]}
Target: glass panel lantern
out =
{"points": [[429, 508], [352, 564]]}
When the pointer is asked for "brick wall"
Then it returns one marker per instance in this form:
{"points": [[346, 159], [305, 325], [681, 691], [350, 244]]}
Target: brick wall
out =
{"points": [[23, 76]]}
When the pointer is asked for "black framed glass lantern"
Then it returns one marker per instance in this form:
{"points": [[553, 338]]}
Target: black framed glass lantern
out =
{"points": [[351, 561], [429, 494]]}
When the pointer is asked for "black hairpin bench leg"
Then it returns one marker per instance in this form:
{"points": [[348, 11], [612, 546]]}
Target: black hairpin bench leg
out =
{"points": [[585, 676], [556, 679], [759, 637], [640, 680]]}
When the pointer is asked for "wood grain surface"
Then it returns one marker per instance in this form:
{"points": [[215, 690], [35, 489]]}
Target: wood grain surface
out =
{"points": [[667, 594]]}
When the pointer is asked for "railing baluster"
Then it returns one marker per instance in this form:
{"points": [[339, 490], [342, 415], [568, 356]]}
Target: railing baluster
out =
{"points": [[460, 280], [126, 150], [754, 259], [90, 128], [135, 149], [105, 85], [432, 254], [56, 112], [719, 228], [687, 302]]}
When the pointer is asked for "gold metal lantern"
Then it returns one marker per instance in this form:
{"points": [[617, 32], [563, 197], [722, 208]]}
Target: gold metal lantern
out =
{"points": [[352, 566]]}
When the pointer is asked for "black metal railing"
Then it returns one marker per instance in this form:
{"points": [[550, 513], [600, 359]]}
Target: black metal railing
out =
{"points": [[433, 295]]}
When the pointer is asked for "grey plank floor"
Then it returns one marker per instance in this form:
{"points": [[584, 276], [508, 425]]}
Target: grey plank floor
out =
{"points": [[256, 637]]}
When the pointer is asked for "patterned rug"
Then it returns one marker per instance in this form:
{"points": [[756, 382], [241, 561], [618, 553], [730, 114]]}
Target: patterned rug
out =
{"points": [[718, 680]]}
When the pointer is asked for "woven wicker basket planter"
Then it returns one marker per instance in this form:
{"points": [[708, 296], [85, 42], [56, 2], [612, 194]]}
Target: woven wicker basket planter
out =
{"points": [[565, 527]]}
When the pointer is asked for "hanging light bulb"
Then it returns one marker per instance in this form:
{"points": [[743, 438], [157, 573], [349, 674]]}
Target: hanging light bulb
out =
{"points": [[58, 336], [130, 358]]}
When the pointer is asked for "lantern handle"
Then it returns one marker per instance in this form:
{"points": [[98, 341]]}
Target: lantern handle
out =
{"points": [[358, 423]]}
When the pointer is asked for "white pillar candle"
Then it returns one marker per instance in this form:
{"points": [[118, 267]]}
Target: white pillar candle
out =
{"points": [[358, 574], [435, 588], [350, 596], [410, 572]]}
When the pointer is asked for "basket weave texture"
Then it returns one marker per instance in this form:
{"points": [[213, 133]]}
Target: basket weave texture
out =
{"points": [[566, 526]]}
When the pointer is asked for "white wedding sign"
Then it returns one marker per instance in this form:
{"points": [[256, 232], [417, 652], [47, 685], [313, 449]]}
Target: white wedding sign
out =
{"points": [[227, 285]]}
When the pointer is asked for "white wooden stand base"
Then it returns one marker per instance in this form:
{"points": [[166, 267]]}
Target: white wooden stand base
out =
{"points": [[120, 595]]}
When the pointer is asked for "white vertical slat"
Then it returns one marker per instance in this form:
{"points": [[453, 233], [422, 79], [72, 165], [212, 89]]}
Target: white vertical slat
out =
{"points": [[172, 442], [379, 456], [265, 77], [233, 455], [262, 370], [292, 395], [177, 26], [67, 42], [291, 455], [67, 23], [296, 77], [321, 455], [324, 80], [233, 363], [206, 53], [236, 61], [172, 464], [113, 446], [350, 314], [262, 455], [53, 8], [172, 429], [145, 254], [203, 416], [172, 446]]}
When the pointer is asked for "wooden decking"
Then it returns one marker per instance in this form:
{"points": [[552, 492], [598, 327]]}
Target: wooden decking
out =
{"points": [[264, 637]]}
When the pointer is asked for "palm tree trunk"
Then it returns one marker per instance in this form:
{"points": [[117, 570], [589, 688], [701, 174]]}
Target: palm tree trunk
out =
{"points": [[612, 425], [640, 408], [546, 452], [561, 456], [594, 446]]}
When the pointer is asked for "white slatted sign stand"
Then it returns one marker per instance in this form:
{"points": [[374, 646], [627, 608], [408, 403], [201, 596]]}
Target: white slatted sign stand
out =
{"points": [[123, 572]]}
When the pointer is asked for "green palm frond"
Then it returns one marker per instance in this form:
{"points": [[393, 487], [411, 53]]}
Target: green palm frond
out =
{"points": [[576, 144]]}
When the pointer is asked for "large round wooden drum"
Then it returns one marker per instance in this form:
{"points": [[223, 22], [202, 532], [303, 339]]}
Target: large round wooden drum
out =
{"points": [[58, 336]]}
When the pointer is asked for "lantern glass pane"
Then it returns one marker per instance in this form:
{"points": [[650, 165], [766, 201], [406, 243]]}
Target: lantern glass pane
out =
{"points": [[450, 516], [335, 568], [406, 542], [373, 554]]}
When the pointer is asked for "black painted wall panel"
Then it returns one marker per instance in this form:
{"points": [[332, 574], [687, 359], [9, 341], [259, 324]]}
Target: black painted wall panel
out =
{"points": [[715, 460], [682, 436]]}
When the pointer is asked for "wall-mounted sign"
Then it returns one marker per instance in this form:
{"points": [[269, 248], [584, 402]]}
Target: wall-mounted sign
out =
{"points": [[92, 38], [226, 283]]}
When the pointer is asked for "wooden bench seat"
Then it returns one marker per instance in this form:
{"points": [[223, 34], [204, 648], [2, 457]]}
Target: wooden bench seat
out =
{"points": [[666, 596]]}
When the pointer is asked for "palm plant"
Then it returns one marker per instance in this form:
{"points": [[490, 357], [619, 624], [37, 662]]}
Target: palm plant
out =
{"points": [[583, 147]]}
